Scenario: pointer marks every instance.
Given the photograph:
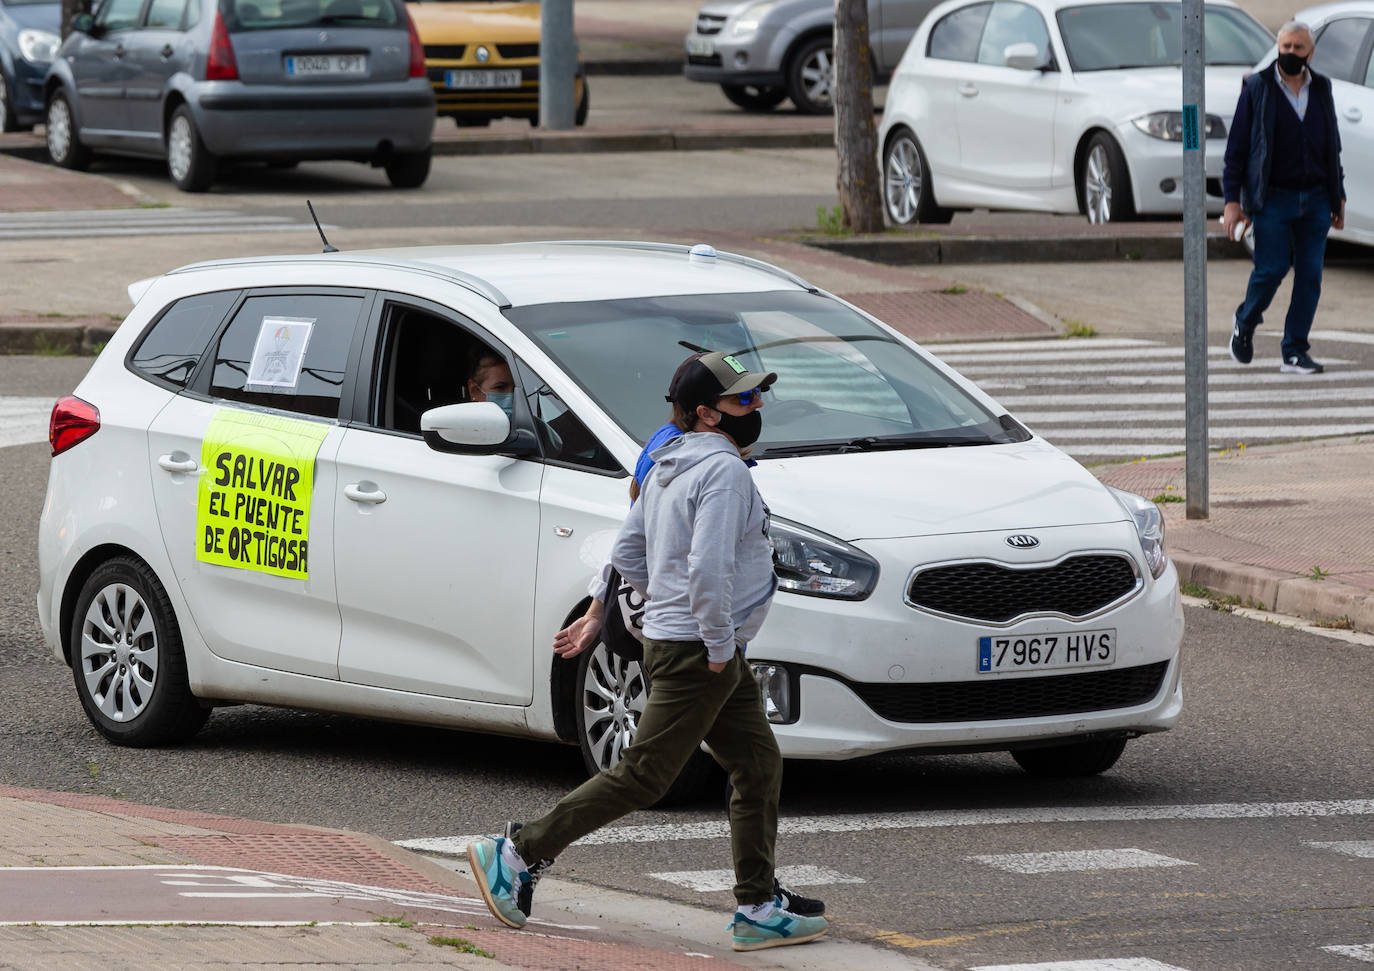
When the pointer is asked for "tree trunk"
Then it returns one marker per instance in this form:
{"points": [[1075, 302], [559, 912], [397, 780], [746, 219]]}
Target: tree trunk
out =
{"points": [[856, 135], [70, 8]]}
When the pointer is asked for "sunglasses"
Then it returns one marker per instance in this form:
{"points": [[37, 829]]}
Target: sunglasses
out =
{"points": [[745, 398]]}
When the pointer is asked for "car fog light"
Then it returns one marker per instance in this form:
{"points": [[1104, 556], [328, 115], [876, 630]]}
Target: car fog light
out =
{"points": [[741, 59], [776, 688], [1167, 186]]}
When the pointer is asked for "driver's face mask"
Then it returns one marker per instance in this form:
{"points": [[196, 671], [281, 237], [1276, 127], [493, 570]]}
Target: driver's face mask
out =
{"points": [[506, 401]]}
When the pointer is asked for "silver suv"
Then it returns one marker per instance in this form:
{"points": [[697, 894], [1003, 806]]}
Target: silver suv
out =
{"points": [[762, 51]]}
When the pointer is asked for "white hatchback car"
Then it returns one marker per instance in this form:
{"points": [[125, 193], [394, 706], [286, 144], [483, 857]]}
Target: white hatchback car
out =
{"points": [[269, 488], [1055, 106]]}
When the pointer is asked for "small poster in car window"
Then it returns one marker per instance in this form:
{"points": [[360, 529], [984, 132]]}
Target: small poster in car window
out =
{"points": [[279, 351]]}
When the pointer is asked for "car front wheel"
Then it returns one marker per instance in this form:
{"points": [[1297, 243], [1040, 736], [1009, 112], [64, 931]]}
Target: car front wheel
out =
{"points": [[908, 194], [189, 162], [1105, 182], [754, 97], [1075, 759], [64, 145], [611, 696], [127, 658], [811, 77]]}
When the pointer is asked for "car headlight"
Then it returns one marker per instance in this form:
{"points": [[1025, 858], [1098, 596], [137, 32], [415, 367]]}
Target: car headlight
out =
{"points": [[817, 565], [748, 20], [1168, 125], [1149, 524], [38, 46]]}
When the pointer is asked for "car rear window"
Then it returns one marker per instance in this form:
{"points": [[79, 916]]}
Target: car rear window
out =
{"points": [[172, 347], [241, 15]]}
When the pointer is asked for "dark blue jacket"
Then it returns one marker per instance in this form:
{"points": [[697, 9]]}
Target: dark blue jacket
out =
{"points": [[1245, 176]]}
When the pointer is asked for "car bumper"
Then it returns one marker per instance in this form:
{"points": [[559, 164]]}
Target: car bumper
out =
{"points": [[264, 121], [1157, 171], [732, 62], [26, 94], [884, 676]]}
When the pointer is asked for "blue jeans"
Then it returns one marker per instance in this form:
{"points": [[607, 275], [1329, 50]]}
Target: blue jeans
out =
{"points": [[1289, 231]]}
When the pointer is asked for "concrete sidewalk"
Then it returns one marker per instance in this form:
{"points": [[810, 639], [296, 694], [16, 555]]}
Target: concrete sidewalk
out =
{"points": [[89, 881]]}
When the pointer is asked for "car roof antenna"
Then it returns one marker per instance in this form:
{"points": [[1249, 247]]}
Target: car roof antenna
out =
{"points": [[319, 229]]}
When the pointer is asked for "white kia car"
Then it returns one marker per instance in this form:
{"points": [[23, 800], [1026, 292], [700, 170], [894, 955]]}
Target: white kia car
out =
{"points": [[1056, 106], [271, 488]]}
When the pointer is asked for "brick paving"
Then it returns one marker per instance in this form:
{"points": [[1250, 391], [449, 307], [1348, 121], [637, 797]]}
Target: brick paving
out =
{"points": [[27, 186]]}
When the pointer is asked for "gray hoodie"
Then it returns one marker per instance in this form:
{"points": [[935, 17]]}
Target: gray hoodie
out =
{"points": [[696, 545]]}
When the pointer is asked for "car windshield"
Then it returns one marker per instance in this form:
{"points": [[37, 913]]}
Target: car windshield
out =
{"points": [[29, 3], [843, 383], [242, 15], [1116, 36]]}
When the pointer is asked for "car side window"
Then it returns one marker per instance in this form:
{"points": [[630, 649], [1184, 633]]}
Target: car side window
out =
{"points": [[425, 363], [165, 14], [1338, 46], [119, 14], [172, 347], [563, 438], [1369, 72], [956, 36], [1012, 23], [288, 351]]}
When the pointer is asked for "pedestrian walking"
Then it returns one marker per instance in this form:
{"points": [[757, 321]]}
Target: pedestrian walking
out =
{"points": [[696, 546], [1283, 173]]}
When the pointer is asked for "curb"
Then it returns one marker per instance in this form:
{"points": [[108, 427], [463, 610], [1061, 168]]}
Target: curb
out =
{"points": [[1321, 600], [927, 250], [642, 67], [38, 337], [632, 141]]}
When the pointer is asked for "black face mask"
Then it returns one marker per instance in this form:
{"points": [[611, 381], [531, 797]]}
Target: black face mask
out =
{"points": [[1291, 64], [744, 429]]}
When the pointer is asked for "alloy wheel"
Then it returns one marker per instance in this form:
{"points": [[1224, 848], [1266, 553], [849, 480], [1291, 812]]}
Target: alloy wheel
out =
{"points": [[902, 182], [1097, 185], [119, 652], [59, 129], [613, 696], [818, 77], [179, 148]]}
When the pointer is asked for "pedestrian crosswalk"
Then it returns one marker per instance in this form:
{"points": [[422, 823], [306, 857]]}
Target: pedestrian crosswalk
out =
{"points": [[1108, 399], [170, 221], [24, 420]]}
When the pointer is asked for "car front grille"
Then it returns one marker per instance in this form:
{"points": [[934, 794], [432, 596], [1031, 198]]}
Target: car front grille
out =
{"points": [[1033, 697], [711, 60], [445, 52], [518, 50], [709, 23], [1075, 587]]}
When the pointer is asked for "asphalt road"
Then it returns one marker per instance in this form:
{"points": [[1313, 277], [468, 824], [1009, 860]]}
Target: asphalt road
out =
{"points": [[1273, 716]]}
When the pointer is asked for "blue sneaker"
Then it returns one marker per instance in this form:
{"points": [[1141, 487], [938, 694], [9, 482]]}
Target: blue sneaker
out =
{"points": [[497, 880], [777, 929]]}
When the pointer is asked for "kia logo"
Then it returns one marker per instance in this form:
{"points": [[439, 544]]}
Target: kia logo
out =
{"points": [[1022, 541]]}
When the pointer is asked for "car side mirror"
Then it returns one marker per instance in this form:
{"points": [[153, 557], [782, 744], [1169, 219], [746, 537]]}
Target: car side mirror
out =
{"points": [[83, 23], [1024, 56], [475, 428]]}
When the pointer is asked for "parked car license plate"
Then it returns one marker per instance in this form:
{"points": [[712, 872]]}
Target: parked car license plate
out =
{"points": [[700, 46], [316, 65], [1039, 652], [481, 79]]}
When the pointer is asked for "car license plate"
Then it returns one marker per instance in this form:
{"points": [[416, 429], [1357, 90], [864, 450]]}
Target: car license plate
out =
{"points": [[324, 65], [1040, 652], [481, 79], [700, 46]]}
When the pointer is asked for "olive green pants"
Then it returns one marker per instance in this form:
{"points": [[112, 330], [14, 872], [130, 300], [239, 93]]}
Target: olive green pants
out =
{"points": [[687, 704]]}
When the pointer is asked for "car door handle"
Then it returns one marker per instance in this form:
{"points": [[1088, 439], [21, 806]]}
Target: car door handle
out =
{"points": [[166, 51], [119, 50], [364, 492], [177, 462], [1354, 114], [968, 90]]}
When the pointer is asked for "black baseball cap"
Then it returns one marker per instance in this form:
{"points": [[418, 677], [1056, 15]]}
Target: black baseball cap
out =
{"points": [[709, 375]]}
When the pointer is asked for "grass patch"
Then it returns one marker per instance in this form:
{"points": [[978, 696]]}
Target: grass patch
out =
{"points": [[831, 221], [1223, 602], [1167, 497], [1317, 573], [44, 346], [397, 921], [155, 205], [954, 288], [1343, 622], [462, 945], [1073, 327]]}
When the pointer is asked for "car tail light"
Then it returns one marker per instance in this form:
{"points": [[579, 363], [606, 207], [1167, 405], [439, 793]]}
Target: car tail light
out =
{"points": [[73, 421], [219, 63], [417, 50]]}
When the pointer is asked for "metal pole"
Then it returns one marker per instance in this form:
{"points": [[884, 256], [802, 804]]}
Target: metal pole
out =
{"points": [[1195, 259], [557, 64]]}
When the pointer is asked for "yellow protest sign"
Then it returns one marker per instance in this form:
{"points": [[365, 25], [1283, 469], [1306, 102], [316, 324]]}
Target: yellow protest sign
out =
{"points": [[253, 502]]}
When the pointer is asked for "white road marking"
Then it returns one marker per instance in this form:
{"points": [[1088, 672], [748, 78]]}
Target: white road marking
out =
{"points": [[1214, 415], [706, 881], [1360, 952], [1350, 336], [24, 420], [1140, 400], [1158, 357], [1171, 369], [144, 922], [141, 222], [1078, 861], [1060, 344], [1215, 430], [1092, 964], [1249, 376], [868, 822], [1360, 848]]}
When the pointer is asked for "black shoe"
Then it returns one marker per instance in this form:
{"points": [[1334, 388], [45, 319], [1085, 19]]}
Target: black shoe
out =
{"points": [[795, 903], [524, 897], [1242, 343], [1300, 364]]}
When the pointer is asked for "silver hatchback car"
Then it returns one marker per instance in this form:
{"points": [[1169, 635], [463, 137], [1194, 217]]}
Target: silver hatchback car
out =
{"points": [[283, 81]]}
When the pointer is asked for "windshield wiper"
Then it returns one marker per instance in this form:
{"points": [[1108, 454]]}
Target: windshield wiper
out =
{"points": [[873, 443], [810, 448]]}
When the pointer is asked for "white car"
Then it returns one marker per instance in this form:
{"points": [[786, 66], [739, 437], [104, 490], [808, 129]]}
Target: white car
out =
{"points": [[1055, 106], [269, 488], [1344, 33]]}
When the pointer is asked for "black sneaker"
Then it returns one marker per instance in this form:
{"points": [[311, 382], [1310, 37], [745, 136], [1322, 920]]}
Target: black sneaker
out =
{"points": [[794, 903], [1300, 364], [524, 897], [1242, 343]]}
